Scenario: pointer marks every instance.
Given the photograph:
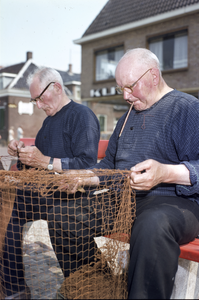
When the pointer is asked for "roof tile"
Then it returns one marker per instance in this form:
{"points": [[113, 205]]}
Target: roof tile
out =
{"points": [[14, 69], [117, 12]]}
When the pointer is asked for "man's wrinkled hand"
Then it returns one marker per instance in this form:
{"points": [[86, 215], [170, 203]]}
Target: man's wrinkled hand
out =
{"points": [[75, 180], [14, 146], [71, 187], [147, 174], [31, 156]]}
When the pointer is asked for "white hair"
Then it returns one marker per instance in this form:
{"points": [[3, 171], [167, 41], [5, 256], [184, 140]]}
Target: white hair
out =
{"points": [[45, 76], [143, 57]]}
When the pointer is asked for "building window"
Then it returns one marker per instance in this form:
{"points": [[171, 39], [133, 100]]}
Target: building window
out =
{"points": [[171, 50], [5, 79], [103, 122], [115, 122], [106, 62], [77, 93], [2, 117]]}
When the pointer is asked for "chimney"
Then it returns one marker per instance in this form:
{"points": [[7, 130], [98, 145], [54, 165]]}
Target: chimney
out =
{"points": [[28, 55], [70, 69]]}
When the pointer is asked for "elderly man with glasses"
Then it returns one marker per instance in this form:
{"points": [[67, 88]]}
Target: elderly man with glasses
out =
{"points": [[68, 139], [158, 142]]}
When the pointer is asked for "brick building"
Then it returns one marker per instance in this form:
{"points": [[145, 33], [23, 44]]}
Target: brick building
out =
{"points": [[169, 28], [15, 107]]}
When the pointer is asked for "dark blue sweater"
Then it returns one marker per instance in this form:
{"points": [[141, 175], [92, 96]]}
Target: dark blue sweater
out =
{"points": [[72, 134], [167, 132]]}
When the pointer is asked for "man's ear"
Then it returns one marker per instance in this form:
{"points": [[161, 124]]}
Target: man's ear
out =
{"points": [[156, 76], [58, 87]]}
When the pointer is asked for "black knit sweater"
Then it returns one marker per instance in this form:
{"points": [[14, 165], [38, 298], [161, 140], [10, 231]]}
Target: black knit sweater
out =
{"points": [[72, 134], [167, 132]]}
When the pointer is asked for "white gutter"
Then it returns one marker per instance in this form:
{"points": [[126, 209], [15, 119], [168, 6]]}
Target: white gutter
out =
{"points": [[14, 92], [8, 75], [143, 22], [72, 82]]}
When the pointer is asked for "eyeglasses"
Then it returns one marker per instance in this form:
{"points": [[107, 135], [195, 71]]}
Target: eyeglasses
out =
{"points": [[129, 89], [34, 101]]}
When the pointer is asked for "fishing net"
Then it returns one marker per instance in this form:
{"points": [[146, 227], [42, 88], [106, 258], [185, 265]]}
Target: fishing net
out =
{"points": [[86, 255]]}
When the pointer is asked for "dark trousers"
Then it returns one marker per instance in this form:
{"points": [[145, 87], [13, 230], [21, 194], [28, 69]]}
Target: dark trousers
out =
{"points": [[162, 224], [74, 224], [28, 206], [31, 206]]}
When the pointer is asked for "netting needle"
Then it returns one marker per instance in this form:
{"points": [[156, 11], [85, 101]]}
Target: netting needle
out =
{"points": [[126, 119]]}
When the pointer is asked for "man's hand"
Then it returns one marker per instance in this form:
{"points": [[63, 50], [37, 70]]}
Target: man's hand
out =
{"points": [[149, 173], [75, 180], [31, 156], [71, 186], [14, 146]]}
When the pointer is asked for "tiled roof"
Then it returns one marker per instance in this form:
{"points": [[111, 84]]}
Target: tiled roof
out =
{"points": [[120, 12], [67, 77], [14, 69], [20, 80]]}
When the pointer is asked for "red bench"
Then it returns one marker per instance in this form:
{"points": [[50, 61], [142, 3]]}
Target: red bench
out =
{"points": [[28, 141], [188, 251], [103, 144]]}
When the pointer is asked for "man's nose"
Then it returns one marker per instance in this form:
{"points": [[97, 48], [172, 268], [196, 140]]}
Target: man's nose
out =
{"points": [[39, 104], [126, 95]]}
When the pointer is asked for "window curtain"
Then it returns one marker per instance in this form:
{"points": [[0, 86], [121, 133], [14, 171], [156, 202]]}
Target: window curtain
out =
{"points": [[180, 52], [101, 65], [118, 54], [106, 63], [113, 63], [157, 49]]}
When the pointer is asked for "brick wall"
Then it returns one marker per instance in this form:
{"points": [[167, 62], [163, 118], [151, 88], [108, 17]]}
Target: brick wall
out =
{"points": [[29, 123], [137, 38]]}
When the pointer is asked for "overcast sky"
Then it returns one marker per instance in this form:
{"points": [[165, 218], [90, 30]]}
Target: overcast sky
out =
{"points": [[47, 28]]}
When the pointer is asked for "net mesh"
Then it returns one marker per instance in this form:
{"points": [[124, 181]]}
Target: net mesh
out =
{"points": [[87, 253]]}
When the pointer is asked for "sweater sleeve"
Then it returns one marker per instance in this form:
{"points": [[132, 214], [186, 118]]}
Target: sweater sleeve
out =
{"points": [[187, 138], [186, 190], [84, 139]]}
